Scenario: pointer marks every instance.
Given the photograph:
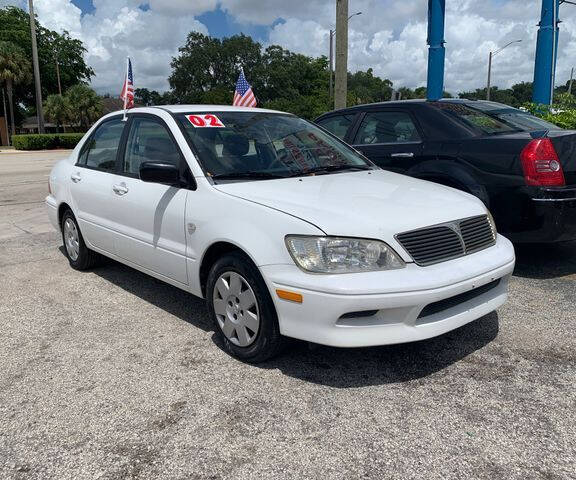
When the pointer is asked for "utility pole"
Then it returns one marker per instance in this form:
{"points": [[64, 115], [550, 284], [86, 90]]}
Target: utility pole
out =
{"points": [[341, 80], [58, 74], [5, 117], [332, 64], [571, 78], [489, 74], [39, 110]]}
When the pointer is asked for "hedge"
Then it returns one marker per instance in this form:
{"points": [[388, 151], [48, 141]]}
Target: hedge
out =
{"points": [[46, 141]]}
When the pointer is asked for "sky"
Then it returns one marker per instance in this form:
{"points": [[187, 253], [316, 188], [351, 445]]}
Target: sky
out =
{"points": [[389, 36]]}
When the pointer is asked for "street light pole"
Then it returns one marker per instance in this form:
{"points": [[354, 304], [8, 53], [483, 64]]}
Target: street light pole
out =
{"points": [[489, 74], [39, 110], [490, 56]]}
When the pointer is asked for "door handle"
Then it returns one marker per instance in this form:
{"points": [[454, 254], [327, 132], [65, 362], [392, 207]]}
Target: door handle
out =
{"points": [[402, 155], [120, 189], [75, 177]]}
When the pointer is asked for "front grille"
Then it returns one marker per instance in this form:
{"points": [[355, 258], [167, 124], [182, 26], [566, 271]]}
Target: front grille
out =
{"points": [[456, 300], [447, 241]]}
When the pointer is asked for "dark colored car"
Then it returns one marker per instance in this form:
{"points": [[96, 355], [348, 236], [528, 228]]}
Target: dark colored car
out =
{"points": [[522, 167]]}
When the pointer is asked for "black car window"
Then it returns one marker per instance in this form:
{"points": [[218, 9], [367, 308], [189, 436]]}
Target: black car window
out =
{"points": [[337, 125], [488, 124], [100, 150], [516, 117], [148, 141], [386, 127]]}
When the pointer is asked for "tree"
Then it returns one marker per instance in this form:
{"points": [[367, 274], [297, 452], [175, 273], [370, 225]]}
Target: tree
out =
{"points": [[57, 110], [52, 47], [14, 69], [207, 63], [85, 105]]}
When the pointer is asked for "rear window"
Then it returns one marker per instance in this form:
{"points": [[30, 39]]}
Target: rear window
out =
{"points": [[488, 124], [518, 118]]}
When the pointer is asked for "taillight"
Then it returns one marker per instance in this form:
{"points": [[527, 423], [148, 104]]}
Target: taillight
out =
{"points": [[541, 164]]}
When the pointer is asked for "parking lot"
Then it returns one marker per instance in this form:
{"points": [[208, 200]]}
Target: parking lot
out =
{"points": [[112, 374]]}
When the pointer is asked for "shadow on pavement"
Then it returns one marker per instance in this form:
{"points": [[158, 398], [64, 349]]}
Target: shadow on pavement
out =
{"points": [[171, 299], [545, 261], [360, 367], [334, 367]]}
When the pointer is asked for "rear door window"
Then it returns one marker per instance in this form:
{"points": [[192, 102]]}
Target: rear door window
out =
{"points": [[100, 150], [338, 125], [386, 127]]}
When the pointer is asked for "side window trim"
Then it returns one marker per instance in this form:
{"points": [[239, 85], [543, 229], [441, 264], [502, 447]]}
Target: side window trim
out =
{"points": [[124, 142], [388, 110], [89, 139]]}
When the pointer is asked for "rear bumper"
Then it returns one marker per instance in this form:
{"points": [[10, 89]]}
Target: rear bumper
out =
{"points": [[544, 215], [392, 315], [52, 211]]}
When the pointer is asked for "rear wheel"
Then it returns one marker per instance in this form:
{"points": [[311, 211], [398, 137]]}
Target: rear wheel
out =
{"points": [[242, 309], [78, 254]]}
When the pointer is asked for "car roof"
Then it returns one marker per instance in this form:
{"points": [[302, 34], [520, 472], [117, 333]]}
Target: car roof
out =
{"points": [[419, 101], [200, 108]]}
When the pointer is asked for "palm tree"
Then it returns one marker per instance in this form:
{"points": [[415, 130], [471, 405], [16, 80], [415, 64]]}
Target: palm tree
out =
{"points": [[57, 109], [85, 105], [14, 69]]}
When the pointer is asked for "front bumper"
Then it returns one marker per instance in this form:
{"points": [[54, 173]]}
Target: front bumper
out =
{"points": [[394, 299]]}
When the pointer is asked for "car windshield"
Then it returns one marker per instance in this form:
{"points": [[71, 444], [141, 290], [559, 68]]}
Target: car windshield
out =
{"points": [[516, 117], [487, 124], [234, 146]]}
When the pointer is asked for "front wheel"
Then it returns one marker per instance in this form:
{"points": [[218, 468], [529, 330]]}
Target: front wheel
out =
{"points": [[242, 310]]}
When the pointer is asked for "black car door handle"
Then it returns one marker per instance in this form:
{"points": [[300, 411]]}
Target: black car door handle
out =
{"points": [[402, 155]]}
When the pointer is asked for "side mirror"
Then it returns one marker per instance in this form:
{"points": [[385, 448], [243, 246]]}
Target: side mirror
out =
{"points": [[159, 172]]}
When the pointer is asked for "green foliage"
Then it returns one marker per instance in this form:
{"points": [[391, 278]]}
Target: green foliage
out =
{"points": [[15, 28], [46, 141], [85, 105], [57, 109], [561, 113]]}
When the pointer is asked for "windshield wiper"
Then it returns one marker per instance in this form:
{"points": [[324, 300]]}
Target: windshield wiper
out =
{"points": [[255, 175], [332, 168]]}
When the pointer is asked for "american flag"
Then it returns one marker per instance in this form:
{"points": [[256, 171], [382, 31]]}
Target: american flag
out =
{"points": [[243, 96], [128, 88]]}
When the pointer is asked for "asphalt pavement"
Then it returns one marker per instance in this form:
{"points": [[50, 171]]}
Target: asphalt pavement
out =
{"points": [[112, 374]]}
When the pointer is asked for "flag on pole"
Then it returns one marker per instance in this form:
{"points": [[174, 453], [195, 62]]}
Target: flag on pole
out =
{"points": [[128, 88], [243, 96]]}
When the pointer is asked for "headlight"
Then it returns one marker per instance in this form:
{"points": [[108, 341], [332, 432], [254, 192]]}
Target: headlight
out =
{"points": [[492, 223], [341, 254]]}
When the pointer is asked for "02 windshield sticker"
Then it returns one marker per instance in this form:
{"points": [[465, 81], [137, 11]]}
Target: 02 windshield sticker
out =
{"points": [[207, 120]]}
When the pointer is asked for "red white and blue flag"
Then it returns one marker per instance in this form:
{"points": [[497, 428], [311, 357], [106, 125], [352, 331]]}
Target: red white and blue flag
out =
{"points": [[243, 96], [128, 88]]}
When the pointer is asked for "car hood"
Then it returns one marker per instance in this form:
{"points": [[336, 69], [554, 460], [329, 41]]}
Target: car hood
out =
{"points": [[375, 204]]}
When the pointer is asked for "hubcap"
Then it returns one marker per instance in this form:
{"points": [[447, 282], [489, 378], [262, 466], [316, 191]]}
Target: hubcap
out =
{"points": [[71, 240], [236, 309]]}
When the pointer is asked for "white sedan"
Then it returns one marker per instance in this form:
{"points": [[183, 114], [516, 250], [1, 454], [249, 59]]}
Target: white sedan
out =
{"points": [[282, 228]]}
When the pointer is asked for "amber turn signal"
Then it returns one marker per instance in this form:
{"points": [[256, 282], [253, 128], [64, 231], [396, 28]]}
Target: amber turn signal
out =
{"points": [[290, 296]]}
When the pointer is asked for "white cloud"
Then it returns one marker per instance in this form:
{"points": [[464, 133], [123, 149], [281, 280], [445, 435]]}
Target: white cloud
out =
{"points": [[389, 36], [117, 29]]}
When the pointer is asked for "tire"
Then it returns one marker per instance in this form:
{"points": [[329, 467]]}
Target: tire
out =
{"points": [[235, 294], [77, 253]]}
